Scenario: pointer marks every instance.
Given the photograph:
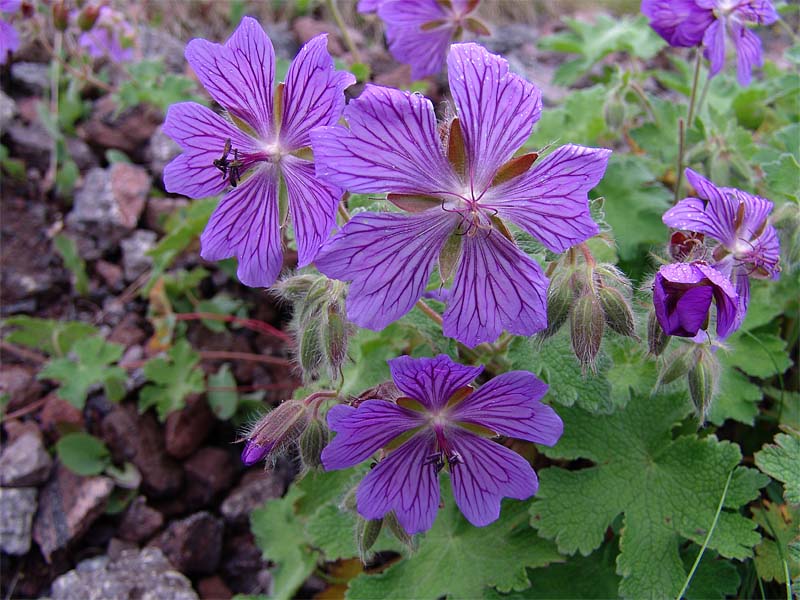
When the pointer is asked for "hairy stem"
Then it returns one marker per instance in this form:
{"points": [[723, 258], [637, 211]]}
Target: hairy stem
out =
{"points": [[682, 126]]}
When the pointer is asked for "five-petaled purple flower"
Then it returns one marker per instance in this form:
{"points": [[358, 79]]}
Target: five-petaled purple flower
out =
{"points": [[9, 39], [748, 245], [690, 22], [419, 32], [264, 147], [682, 295], [457, 193], [443, 422]]}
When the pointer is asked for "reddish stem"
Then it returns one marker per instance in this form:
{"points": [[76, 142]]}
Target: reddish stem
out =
{"points": [[254, 324]]}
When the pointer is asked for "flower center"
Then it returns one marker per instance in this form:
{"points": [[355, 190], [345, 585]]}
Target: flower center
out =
{"points": [[233, 163]]}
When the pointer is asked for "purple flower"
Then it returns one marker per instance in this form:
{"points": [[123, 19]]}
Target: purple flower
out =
{"points": [[748, 245], [444, 422], [263, 147], [9, 39], [682, 295], [420, 31], [690, 22], [111, 36], [457, 192]]}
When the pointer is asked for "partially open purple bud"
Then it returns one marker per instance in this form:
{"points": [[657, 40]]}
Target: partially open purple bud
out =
{"points": [[682, 295], [254, 453], [275, 430]]}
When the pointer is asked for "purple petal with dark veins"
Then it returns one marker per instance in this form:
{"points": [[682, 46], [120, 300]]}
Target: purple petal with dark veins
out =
{"points": [[489, 472], [756, 211], [431, 381], [313, 94], [392, 146], [757, 11], [496, 109], [496, 287], [509, 405], [240, 74], [389, 258], [717, 218], [245, 225], [404, 483], [748, 52], [201, 133], [362, 431], [551, 200], [714, 41], [312, 203], [681, 23]]}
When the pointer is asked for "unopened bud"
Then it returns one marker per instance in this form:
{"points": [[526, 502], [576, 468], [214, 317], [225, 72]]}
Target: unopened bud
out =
{"points": [[275, 430], [294, 288], [676, 365], [559, 299], [587, 322], [88, 17], [60, 16], [618, 313], [310, 351], [312, 441], [367, 532], [614, 112], [702, 379], [657, 340], [397, 530], [350, 503], [334, 340]]}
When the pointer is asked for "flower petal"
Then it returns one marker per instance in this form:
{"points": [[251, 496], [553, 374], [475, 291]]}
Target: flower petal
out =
{"points": [[362, 431], [392, 146], [239, 75], [551, 200], [313, 93], [679, 22], [717, 218], [496, 109], [245, 225], [748, 52], [757, 11], [742, 285], [403, 482], [489, 472], [389, 258], [496, 287], [9, 40], [312, 203], [714, 41], [756, 211], [509, 405], [201, 133], [431, 381]]}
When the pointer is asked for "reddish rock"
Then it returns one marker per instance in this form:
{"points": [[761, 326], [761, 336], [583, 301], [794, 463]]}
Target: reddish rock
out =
{"points": [[137, 438], [140, 522], [158, 209], [127, 332], [209, 473], [131, 185], [126, 131], [194, 544], [20, 385], [213, 588], [68, 505], [15, 429], [59, 417], [110, 273], [117, 547], [243, 565], [256, 487], [186, 430], [25, 462], [306, 28]]}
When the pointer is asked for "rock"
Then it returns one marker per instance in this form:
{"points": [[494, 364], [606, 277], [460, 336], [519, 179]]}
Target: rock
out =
{"points": [[68, 505], [16, 428], [283, 40], [160, 150], [59, 417], [213, 588], [209, 472], [158, 44], [110, 273], [158, 209], [17, 507], [137, 438], [18, 383], [506, 39], [244, 567], [117, 546], [255, 488], [32, 143], [126, 131], [25, 462], [306, 28], [135, 259], [134, 575], [127, 332], [140, 522], [109, 203], [8, 110], [193, 544], [31, 77], [186, 430]]}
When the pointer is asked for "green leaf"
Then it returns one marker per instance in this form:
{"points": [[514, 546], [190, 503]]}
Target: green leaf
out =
{"points": [[90, 365], [223, 402], [49, 336], [714, 578], [580, 121], [68, 250], [782, 177], [459, 560], [667, 490], [781, 461], [781, 527], [83, 454], [174, 378], [759, 355], [738, 398]]}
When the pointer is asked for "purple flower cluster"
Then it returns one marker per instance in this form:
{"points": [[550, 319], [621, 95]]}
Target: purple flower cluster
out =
{"points": [[747, 247], [442, 422], [689, 23], [111, 36]]}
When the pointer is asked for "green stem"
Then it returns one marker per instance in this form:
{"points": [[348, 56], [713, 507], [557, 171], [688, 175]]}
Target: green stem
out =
{"points": [[55, 82], [683, 126], [708, 537], [348, 41]]}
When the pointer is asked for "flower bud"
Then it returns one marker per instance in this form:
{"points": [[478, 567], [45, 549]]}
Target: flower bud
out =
{"points": [[367, 532], [60, 16], [350, 502], [310, 351], [397, 530], [312, 441], [702, 379], [657, 340], [294, 288], [618, 313], [335, 334], [675, 366], [587, 322], [559, 300], [88, 17], [277, 429], [614, 112]]}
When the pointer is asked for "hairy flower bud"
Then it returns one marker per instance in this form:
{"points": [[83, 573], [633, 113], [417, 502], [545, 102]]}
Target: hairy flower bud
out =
{"points": [[88, 17], [657, 340], [294, 288], [617, 310], [367, 532], [702, 378], [60, 16], [335, 334], [275, 430], [559, 300], [675, 366], [587, 322], [312, 441], [397, 530]]}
